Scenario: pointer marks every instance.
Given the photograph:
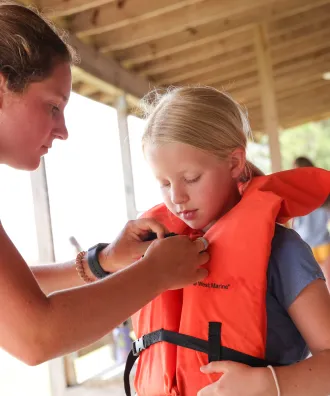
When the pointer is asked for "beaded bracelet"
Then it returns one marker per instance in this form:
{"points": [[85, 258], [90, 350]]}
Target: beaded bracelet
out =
{"points": [[80, 268]]}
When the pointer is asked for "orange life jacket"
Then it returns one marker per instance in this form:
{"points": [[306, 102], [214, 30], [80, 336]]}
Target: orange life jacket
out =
{"points": [[232, 295]]}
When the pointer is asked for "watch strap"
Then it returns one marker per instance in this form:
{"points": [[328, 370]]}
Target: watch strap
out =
{"points": [[93, 261]]}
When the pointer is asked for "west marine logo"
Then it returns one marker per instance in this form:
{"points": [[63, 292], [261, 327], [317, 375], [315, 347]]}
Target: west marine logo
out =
{"points": [[213, 285]]}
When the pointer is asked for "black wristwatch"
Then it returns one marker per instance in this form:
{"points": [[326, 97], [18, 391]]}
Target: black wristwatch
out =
{"points": [[93, 260]]}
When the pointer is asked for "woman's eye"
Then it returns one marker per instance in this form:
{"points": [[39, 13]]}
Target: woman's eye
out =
{"points": [[193, 180], [55, 110], [164, 185]]}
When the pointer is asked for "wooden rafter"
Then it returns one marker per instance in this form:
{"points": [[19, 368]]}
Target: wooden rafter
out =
{"points": [[60, 8], [236, 42], [230, 15], [170, 46], [218, 47], [194, 42], [249, 93], [111, 16], [298, 103], [309, 86], [195, 39], [281, 51], [246, 71], [301, 115], [108, 72], [174, 22]]}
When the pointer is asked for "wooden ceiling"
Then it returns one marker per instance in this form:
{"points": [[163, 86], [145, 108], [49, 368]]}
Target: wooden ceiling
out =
{"points": [[136, 45]]}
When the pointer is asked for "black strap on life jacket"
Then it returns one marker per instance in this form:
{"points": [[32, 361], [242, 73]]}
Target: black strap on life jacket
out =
{"points": [[212, 348]]}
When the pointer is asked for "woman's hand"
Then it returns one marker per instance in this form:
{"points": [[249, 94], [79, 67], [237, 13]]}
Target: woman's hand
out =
{"points": [[130, 244], [238, 379]]}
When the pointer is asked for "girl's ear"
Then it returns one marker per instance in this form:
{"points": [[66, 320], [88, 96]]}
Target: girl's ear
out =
{"points": [[237, 162]]}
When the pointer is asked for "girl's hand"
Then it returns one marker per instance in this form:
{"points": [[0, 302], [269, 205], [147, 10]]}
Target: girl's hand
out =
{"points": [[238, 379]]}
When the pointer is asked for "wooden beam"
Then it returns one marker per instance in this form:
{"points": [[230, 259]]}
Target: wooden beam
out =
{"points": [[112, 16], [302, 18], [305, 115], [323, 115], [122, 114], [250, 95], [313, 63], [218, 45], [298, 36], [269, 107], [86, 89], [282, 83], [297, 106], [309, 86], [236, 42], [103, 98], [205, 34], [62, 8], [174, 22], [281, 51], [167, 47], [105, 71], [230, 15], [219, 62]]}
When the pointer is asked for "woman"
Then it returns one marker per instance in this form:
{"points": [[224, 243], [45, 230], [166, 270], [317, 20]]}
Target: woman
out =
{"points": [[38, 323]]}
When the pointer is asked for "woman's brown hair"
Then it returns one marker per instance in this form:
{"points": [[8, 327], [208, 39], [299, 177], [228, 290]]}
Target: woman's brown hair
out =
{"points": [[30, 47]]}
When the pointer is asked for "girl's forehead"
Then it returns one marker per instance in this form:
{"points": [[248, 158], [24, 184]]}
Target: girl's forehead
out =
{"points": [[178, 158], [179, 150]]}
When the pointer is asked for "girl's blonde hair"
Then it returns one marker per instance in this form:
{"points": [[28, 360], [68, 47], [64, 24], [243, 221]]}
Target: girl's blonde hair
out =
{"points": [[202, 117]]}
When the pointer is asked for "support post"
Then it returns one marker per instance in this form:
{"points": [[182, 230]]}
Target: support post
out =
{"points": [[43, 224], [268, 97], [42, 214], [122, 114]]}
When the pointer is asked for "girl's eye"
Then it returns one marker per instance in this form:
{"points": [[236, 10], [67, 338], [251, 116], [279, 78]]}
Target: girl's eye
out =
{"points": [[193, 180], [164, 185]]}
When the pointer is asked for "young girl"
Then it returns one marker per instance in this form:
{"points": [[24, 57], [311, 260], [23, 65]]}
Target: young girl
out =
{"points": [[265, 302]]}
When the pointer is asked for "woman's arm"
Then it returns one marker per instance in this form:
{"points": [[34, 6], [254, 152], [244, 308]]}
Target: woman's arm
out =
{"points": [[124, 250], [36, 328]]}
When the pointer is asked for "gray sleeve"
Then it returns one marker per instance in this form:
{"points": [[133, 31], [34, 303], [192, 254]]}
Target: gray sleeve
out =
{"points": [[292, 266]]}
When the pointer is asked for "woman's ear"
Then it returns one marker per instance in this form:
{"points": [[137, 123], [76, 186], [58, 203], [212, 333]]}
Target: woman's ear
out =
{"points": [[3, 88], [237, 162]]}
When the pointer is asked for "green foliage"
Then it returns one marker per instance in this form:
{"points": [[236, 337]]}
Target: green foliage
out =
{"points": [[310, 140]]}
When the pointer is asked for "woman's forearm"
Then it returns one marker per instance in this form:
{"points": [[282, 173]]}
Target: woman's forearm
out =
{"points": [[74, 318], [55, 277]]}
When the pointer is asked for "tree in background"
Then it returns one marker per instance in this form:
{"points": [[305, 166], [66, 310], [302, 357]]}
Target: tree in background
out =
{"points": [[310, 140]]}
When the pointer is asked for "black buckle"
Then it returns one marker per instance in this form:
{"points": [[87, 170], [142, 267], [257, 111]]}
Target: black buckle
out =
{"points": [[138, 346]]}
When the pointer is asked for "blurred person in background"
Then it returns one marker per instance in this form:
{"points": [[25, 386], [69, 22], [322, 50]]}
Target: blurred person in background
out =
{"points": [[314, 227]]}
